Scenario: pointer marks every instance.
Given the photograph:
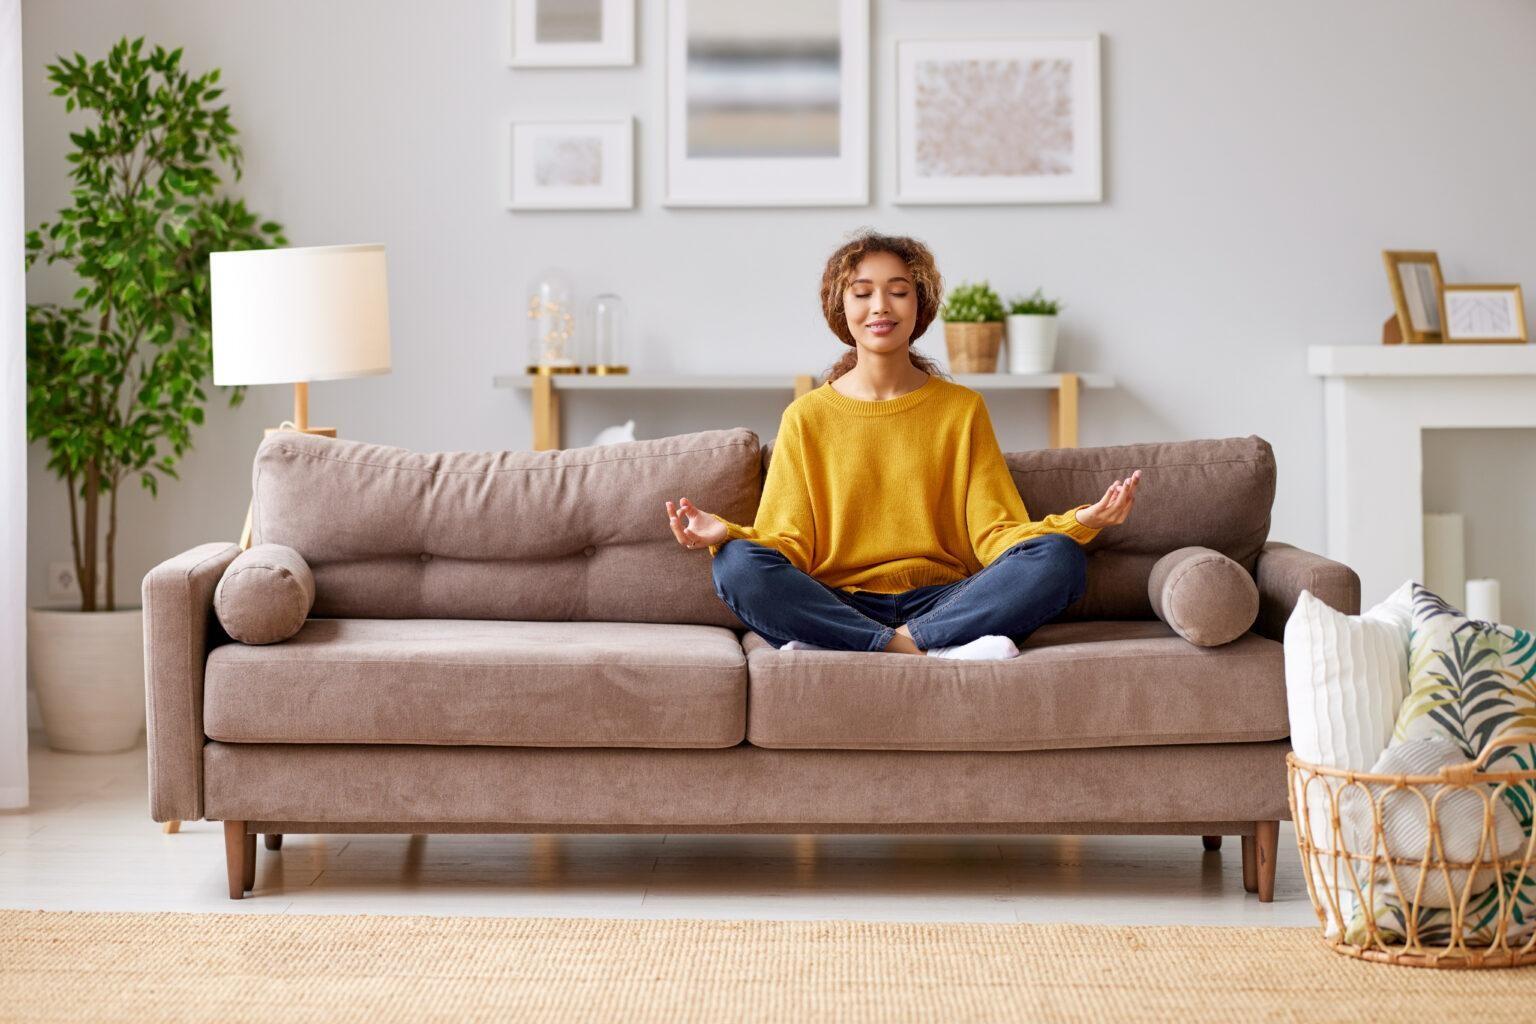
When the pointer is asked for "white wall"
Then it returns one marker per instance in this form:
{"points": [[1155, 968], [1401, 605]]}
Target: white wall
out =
{"points": [[1258, 158]]}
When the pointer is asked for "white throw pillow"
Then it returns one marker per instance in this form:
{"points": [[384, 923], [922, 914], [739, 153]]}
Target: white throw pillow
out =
{"points": [[1405, 824], [1345, 678]]}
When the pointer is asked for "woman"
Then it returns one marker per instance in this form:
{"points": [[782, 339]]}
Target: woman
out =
{"points": [[888, 519]]}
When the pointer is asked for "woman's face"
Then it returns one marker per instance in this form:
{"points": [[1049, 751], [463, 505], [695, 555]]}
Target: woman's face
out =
{"points": [[881, 303]]}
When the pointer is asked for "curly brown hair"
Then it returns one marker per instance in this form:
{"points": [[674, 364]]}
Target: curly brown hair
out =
{"points": [[839, 272]]}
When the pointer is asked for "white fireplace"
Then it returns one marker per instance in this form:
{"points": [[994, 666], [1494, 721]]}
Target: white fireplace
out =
{"points": [[1377, 401]]}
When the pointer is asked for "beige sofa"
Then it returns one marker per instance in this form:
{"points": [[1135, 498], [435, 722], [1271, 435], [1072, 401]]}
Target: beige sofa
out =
{"points": [[514, 642]]}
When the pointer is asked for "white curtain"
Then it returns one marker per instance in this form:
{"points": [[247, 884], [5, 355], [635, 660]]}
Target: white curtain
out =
{"points": [[13, 438]]}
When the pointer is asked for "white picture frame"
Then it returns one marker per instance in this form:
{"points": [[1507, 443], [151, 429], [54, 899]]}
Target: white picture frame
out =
{"points": [[949, 92], [614, 45], [570, 165], [802, 80]]}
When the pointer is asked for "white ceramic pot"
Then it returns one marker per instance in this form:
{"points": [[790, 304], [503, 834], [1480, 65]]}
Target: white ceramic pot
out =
{"points": [[1031, 343], [88, 670]]}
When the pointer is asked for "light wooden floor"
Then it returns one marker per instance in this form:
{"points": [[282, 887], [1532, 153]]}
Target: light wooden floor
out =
{"points": [[87, 843]]}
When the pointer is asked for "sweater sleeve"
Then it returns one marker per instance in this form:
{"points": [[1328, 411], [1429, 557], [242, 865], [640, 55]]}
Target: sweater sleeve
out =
{"points": [[995, 516], [784, 517]]}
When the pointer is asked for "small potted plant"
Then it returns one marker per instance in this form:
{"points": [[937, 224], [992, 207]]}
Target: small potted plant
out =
{"points": [[973, 328], [115, 380], [1032, 334]]}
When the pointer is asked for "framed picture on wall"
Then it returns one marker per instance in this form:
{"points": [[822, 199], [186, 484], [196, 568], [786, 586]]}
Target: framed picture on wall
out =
{"points": [[1483, 312], [1414, 277], [767, 103], [572, 33], [1009, 120], [571, 165]]}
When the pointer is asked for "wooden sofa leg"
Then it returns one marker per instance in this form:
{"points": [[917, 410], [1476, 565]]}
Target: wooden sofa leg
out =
{"points": [[1250, 866], [1211, 842], [1266, 843], [236, 852], [249, 878], [274, 840]]}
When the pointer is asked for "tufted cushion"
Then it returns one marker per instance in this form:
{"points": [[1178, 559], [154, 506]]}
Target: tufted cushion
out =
{"points": [[1206, 598], [265, 595], [577, 534]]}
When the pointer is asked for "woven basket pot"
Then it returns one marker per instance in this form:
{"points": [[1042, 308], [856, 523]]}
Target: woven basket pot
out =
{"points": [[1481, 924], [973, 348]]}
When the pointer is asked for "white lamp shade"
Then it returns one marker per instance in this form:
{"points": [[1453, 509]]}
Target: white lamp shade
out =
{"points": [[286, 316]]}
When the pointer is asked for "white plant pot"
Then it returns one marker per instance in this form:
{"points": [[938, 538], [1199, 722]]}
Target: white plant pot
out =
{"points": [[1031, 343], [88, 670]]}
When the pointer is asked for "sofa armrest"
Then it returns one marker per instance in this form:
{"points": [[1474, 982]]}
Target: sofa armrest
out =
{"points": [[1283, 571], [179, 627]]}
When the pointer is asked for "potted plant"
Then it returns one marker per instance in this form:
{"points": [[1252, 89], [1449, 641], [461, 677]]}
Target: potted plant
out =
{"points": [[1032, 334], [114, 382], [973, 328]]}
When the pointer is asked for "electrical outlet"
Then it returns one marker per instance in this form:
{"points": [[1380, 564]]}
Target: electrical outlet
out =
{"points": [[64, 586]]}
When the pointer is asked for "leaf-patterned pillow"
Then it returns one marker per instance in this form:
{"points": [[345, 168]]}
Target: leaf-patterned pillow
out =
{"points": [[1468, 681]]}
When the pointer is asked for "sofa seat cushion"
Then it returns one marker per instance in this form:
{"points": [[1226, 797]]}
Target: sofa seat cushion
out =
{"points": [[1088, 683], [448, 681]]}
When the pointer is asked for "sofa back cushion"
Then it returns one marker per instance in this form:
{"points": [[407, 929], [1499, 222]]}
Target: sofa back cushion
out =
{"points": [[1213, 493], [573, 534]]}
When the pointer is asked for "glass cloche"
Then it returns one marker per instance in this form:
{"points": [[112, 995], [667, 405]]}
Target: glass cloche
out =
{"points": [[608, 355], [552, 324]]}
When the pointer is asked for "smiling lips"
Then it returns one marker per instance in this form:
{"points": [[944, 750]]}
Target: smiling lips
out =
{"points": [[881, 326]]}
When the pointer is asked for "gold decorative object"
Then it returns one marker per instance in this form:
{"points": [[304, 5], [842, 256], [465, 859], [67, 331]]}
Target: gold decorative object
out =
{"points": [[1340, 863], [551, 325]]}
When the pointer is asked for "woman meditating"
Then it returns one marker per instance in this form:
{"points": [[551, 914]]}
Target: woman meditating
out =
{"points": [[888, 519]]}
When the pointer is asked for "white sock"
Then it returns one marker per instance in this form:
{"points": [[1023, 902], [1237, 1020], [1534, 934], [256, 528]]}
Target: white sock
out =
{"points": [[984, 648], [796, 645]]}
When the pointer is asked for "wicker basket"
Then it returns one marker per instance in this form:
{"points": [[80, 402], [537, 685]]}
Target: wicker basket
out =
{"points": [[1344, 864], [973, 348]]}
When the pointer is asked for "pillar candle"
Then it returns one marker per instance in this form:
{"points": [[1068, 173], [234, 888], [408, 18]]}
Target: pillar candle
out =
{"points": [[1483, 600]]}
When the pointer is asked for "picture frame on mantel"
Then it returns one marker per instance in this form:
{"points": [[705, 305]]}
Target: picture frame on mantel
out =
{"points": [[572, 33], [1414, 277], [1001, 120], [767, 104], [1483, 313], [570, 165]]}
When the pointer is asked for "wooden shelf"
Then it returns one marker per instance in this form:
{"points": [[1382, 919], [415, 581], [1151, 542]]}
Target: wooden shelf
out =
{"points": [[1062, 387], [773, 382]]}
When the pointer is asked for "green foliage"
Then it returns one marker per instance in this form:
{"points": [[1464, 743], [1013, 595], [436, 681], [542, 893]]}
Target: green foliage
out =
{"points": [[1035, 304], [972, 303], [114, 384]]}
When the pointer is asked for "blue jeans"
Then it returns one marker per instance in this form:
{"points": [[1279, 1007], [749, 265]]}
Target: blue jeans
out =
{"points": [[1026, 586]]}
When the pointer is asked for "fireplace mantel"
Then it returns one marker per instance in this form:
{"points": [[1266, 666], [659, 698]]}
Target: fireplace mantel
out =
{"points": [[1377, 401]]}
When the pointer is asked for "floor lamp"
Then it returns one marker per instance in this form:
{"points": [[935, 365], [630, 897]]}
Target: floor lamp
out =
{"points": [[290, 316]]}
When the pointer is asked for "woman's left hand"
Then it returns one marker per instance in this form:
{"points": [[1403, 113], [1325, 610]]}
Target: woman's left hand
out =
{"points": [[1114, 506]]}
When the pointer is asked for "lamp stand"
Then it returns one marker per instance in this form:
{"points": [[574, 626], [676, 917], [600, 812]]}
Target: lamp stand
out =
{"points": [[299, 423]]}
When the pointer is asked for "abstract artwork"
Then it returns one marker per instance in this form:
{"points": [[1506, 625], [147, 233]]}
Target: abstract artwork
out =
{"points": [[998, 121], [767, 104], [571, 165], [1484, 312], [572, 33]]}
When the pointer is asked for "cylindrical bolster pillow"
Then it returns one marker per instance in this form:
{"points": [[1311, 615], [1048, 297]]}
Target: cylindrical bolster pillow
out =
{"points": [[265, 595], [1206, 597]]}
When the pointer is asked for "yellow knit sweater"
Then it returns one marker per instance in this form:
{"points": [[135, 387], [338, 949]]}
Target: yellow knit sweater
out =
{"points": [[892, 495]]}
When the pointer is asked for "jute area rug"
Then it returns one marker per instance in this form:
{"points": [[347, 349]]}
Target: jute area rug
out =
{"points": [[101, 967]]}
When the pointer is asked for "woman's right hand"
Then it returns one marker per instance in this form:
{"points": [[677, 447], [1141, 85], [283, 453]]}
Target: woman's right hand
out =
{"points": [[693, 527]]}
